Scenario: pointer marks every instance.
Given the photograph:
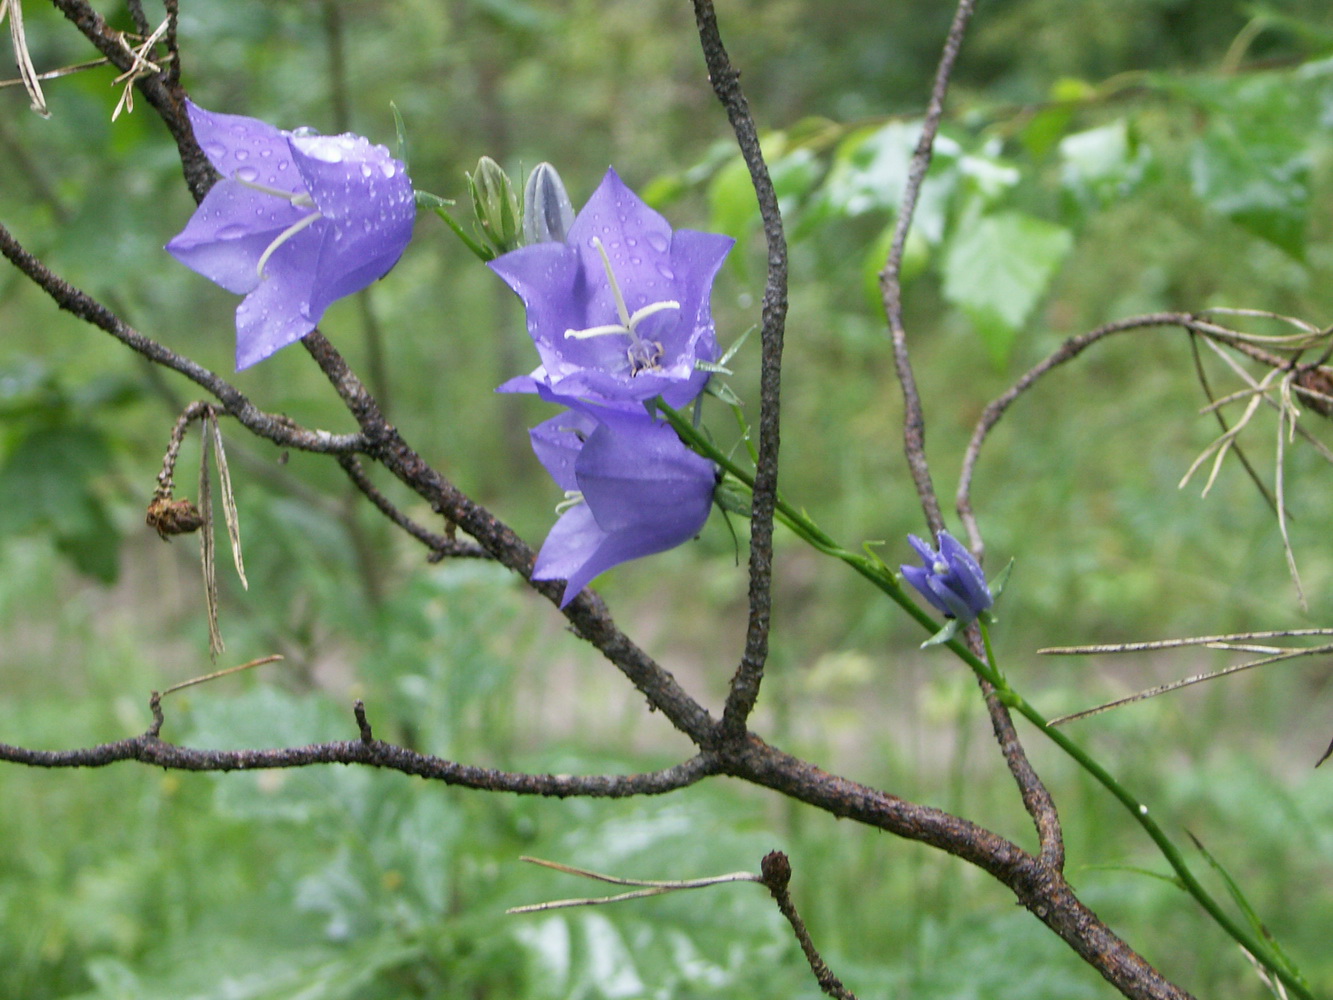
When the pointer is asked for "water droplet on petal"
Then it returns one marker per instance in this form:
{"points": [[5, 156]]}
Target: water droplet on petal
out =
{"points": [[365, 170], [388, 168], [215, 150], [666, 272], [248, 174], [242, 154], [232, 232], [658, 242]]}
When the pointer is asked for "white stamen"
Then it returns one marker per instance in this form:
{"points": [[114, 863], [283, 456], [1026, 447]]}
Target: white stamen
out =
{"points": [[642, 355], [283, 237], [572, 499]]}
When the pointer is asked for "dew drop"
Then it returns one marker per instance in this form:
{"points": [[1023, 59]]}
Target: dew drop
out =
{"points": [[366, 170], [248, 174], [242, 154], [232, 232], [666, 272], [215, 150], [388, 168], [658, 242]]}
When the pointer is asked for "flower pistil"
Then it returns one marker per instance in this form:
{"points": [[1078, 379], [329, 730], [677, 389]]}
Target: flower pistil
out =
{"points": [[643, 354]]}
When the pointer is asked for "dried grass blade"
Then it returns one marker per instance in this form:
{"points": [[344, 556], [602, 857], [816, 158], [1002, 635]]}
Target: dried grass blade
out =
{"points": [[27, 71], [206, 551], [228, 502]]}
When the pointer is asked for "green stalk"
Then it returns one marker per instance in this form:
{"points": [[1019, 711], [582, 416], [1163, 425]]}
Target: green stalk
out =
{"points": [[883, 578]]}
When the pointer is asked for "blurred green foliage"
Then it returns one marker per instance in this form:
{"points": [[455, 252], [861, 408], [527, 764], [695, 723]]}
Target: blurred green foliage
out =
{"points": [[1101, 158]]}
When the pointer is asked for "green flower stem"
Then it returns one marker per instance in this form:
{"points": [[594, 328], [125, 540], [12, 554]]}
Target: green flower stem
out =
{"points": [[483, 253], [882, 577]]}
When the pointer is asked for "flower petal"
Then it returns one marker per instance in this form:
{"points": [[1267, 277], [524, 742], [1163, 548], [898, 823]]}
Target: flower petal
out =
{"points": [[639, 478], [230, 231], [366, 199], [277, 312], [965, 575], [245, 148], [557, 443]]}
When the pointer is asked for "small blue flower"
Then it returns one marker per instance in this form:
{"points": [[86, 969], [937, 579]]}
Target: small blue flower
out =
{"points": [[951, 580], [297, 221]]}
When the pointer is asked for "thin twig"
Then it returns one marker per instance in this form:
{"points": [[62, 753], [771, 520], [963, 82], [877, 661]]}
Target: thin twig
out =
{"points": [[745, 683], [649, 887], [997, 408], [440, 547], [777, 877], [1036, 798], [1153, 692], [278, 429], [890, 279], [222, 673]]}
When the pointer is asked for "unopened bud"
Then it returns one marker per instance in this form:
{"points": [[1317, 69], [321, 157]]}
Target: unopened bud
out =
{"points": [[496, 205], [547, 211]]}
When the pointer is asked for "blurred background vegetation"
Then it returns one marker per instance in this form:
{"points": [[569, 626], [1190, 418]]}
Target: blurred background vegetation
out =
{"points": [[1101, 158]]}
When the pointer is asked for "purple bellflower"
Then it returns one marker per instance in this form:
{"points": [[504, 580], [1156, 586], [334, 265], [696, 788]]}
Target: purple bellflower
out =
{"points": [[951, 580], [297, 221], [619, 310], [632, 489]]}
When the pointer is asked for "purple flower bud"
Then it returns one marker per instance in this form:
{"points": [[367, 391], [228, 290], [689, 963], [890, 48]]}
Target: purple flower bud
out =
{"points": [[297, 221], [547, 211], [620, 310], [634, 489], [951, 580]]}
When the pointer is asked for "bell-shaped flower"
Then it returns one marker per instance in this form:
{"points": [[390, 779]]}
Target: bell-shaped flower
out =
{"points": [[297, 221], [632, 488], [950, 580], [620, 309]]}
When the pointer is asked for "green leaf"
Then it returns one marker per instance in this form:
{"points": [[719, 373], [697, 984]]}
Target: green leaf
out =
{"points": [[1262, 188], [95, 548], [997, 268], [1243, 904], [1252, 162], [869, 173], [47, 479], [731, 203], [1101, 166]]}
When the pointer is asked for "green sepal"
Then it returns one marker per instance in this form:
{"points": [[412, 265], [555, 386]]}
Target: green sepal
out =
{"points": [[424, 199], [401, 130], [723, 392], [943, 635], [732, 496], [711, 366], [1001, 579]]}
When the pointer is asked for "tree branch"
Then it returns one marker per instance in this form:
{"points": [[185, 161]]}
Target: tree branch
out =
{"points": [[726, 84], [1036, 798], [278, 429], [150, 749], [776, 870], [890, 279]]}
